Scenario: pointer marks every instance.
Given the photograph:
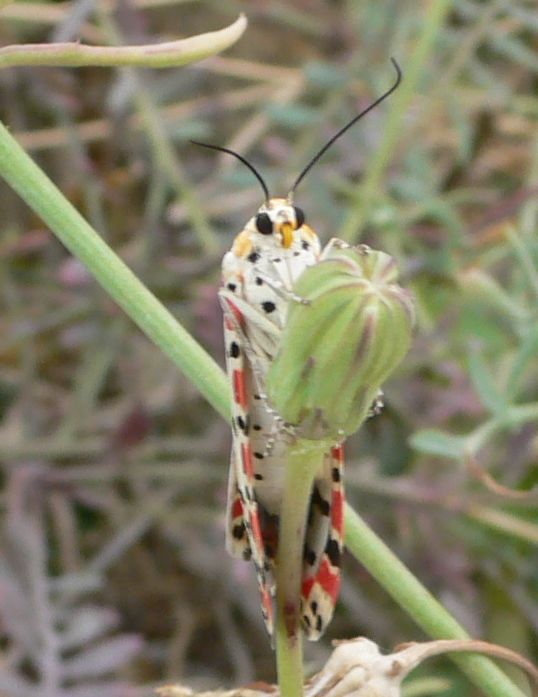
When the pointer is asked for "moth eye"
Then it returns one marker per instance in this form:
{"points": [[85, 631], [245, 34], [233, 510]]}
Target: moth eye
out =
{"points": [[299, 216], [264, 224]]}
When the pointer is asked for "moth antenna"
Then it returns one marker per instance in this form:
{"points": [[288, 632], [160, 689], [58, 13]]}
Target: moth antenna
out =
{"points": [[346, 127], [241, 159]]}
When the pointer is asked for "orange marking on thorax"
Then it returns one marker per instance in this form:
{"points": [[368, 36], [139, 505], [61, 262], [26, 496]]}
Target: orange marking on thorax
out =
{"points": [[242, 245]]}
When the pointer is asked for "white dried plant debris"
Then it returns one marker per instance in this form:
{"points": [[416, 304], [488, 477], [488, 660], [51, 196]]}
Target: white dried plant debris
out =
{"points": [[259, 690], [357, 668]]}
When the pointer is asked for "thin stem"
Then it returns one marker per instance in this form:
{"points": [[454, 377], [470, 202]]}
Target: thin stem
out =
{"points": [[503, 522], [162, 55], [304, 461]]}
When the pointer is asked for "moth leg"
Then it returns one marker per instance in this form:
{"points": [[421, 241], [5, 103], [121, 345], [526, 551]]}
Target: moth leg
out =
{"points": [[282, 290], [377, 405], [333, 244]]}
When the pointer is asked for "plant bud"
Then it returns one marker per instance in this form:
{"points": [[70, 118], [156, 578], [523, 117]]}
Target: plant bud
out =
{"points": [[339, 346]]}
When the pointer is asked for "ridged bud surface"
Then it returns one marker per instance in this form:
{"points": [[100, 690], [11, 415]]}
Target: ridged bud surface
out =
{"points": [[342, 344]]}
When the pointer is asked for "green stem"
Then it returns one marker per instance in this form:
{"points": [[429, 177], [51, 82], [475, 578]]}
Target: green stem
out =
{"points": [[304, 461], [162, 55], [372, 182], [117, 279], [503, 522], [427, 612]]}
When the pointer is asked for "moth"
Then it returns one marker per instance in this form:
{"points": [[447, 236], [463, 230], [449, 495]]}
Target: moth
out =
{"points": [[258, 275]]}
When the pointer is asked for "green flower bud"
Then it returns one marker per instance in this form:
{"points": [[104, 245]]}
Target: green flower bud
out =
{"points": [[339, 346]]}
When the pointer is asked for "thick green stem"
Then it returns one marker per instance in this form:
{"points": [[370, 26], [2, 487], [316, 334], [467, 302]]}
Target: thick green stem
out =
{"points": [[304, 461]]}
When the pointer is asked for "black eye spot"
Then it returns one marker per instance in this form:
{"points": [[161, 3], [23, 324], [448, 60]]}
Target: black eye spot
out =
{"points": [[299, 216], [264, 224]]}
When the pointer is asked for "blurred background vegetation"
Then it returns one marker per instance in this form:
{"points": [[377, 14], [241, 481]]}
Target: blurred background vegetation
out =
{"points": [[113, 574]]}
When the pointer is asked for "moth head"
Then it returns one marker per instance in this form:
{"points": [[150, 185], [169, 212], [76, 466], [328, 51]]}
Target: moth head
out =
{"points": [[279, 220]]}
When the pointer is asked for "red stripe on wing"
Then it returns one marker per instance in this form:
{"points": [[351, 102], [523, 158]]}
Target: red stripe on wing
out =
{"points": [[240, 388], [246, 457], [337, 511], [237, 508], [236, 312]]}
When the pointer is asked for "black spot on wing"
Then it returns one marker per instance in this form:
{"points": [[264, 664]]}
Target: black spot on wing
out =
{"points": [[335, 473], [320, 502], [238, 531], [253, 257], [234, 350], [332, 550], [243, 424], [268, 306]]}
